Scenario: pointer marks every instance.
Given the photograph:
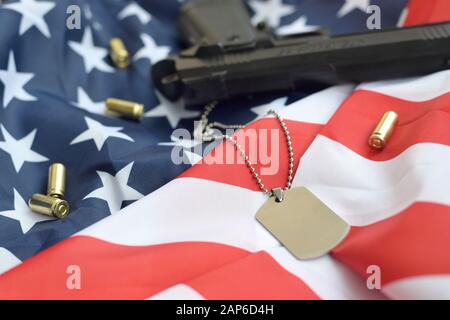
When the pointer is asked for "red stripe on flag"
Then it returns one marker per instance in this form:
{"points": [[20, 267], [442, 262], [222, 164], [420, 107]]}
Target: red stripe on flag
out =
{"points": [[427, 11], [302, 135], [111, 271], [413, 243], [257, 276], [418, 122], [352, 124]]}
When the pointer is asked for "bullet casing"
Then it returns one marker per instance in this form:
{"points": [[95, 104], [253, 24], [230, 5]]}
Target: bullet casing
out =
{"points": [[127, 109], [383, 131], [119, 53], [56, 180], [50, 206]]}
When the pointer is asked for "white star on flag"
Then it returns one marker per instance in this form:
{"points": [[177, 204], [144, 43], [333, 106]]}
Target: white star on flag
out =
{"points": [[151, 50], [351, 5], [115, 189], [186, 144], [173, 111], [33, 13], [85, 103], [93, 57], [100, 133], [14, 82], [8, 260], [298, 26], [87, 11], [270, 11], [20, 150], [133, 9], [23, 214], [276, 105]]}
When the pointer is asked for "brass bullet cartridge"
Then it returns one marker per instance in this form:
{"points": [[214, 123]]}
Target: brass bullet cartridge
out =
{"points": [[50, 206], [119, 53], [56, 180], [383, 131], [127, 109]]}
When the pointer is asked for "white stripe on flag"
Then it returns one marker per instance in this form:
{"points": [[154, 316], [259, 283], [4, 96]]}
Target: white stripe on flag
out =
{"points": [[178, 292], [327, 277], [429, 287], [413, 89], [7, 260], [319, 107], [203, 211], [362, 191]]}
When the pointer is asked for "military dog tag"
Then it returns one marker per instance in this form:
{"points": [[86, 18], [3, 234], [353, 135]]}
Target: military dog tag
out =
{"points": [[303, 223]]}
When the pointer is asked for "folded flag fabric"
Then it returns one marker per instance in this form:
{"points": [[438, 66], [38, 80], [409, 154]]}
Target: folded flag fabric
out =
{"points": [[53, 84]]}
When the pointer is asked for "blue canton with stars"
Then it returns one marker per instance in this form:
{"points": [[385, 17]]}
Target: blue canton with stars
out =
{"points": [[53, 84]]}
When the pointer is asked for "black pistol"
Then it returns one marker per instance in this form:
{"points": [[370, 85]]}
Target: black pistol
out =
{"points": [[228, 57]]}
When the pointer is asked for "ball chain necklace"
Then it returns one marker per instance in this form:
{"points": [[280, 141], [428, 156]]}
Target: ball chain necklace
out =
{"points": [[295, 216]]}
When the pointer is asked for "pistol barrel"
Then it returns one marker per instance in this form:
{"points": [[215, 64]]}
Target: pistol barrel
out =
{"points": [[206, 73]]}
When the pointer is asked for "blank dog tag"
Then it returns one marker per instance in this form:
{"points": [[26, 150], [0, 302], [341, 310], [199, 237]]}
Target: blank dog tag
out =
{"points": [[303, 223]]}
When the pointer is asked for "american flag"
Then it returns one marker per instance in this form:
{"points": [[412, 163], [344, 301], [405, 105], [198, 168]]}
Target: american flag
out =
{"points": [[142, 227]]}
